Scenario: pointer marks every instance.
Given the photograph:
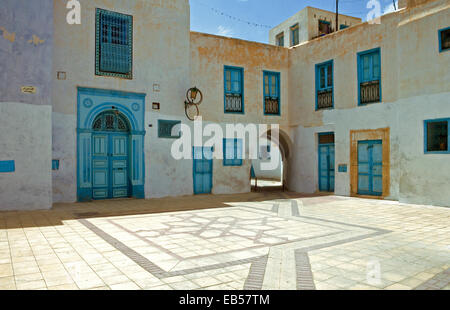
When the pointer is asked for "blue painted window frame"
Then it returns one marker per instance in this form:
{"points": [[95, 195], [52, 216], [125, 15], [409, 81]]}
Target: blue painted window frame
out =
{"points": [[277, 94], [124, 35], [374, 74], [232, 69], [342, 26], [280, 39], [325, 65], [295, 31], [55, 164], [162, 132], [7, 166], [425, 135], [237, 159], [440, 39]]}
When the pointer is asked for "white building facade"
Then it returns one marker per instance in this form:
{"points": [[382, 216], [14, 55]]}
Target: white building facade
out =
{"points": [[87, 109]]}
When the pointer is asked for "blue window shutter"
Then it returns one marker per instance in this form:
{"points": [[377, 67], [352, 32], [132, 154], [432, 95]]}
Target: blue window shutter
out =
{"points": [[55, 164], [114, 44]]}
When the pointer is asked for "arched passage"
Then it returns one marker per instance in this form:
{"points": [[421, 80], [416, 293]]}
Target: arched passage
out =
{"points": [[282, 142]]}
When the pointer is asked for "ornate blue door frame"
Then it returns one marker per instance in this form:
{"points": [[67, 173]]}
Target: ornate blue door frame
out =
{"points": [[90, 103]]}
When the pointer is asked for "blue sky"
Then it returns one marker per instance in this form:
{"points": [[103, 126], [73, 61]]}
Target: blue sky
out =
{"points": [[206, 15]]}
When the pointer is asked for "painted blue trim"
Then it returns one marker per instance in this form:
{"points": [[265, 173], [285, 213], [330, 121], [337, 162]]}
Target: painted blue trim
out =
{"points": [[133, 108], [7, 166], [317, 69], [225, 92], [237, 158], [278, 87], [342, 26], [440, 40], [360, 72], [211, 162], [55, 164], [110, 92], [425, 135]]}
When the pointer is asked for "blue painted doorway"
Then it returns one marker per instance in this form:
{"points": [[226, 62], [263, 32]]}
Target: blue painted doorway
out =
{"points": [[110, 161], [110, 144], [370, 168], [203, 170], [326, 162]]}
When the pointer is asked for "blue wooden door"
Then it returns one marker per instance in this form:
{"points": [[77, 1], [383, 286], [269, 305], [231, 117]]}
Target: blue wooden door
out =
{"points": [[110, 166], [370, 168], [326, 167], [100, 166], [203, 170], [119, 166]]}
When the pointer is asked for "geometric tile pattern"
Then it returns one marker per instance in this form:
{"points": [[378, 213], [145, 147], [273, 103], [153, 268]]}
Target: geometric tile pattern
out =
{"points": [[248, 241]]}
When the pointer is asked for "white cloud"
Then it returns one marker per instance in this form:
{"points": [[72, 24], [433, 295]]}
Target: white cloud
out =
{"points": [[223, 31]]}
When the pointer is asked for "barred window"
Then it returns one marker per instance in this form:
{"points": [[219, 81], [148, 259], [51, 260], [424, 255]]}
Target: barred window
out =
{"points": [[114, 38], [234, 85]]}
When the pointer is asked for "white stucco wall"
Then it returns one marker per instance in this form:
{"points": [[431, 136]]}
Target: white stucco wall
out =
{"points": [[161, 63], [26, 138]]}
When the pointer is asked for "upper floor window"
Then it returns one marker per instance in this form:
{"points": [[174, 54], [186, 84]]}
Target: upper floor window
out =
{"points": [[444, 39], [369, 76], [232, 152], [280, 39], [234, 89], [271, 93], [324, 27], [437, 136], [114, 40], [324, 85], [295, 35], [342, 26]]}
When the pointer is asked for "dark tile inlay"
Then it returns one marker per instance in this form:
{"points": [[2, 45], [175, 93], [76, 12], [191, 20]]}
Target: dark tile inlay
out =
{"points": [[438, 282]]}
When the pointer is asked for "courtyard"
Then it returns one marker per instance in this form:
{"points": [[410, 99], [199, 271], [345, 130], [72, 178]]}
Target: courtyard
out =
{"points": [[268, 240]]}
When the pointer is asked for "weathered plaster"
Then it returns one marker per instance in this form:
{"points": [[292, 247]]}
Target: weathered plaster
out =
{"points": [[25, 137]]}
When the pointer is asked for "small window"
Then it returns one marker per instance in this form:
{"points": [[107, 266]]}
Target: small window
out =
{"points": [[369, 76], [234, 89], [55, 164], [437, 136], [169, 129], [444, 39], [280, 39], [271, 93], [342, 26], [114, 37], [232, 152], [295, 35], [324, 27], [324, 85]]}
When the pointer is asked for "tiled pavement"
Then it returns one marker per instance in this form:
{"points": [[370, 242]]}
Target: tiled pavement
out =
{"points": [[251, 241]]}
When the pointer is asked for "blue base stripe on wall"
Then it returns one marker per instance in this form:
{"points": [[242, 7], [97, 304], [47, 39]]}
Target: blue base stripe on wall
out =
{"points": [[7, 166]]}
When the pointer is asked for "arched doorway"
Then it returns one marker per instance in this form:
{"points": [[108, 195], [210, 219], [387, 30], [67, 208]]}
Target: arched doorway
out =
{"points": [[110, 156], [280, 142], [116, 119]]}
